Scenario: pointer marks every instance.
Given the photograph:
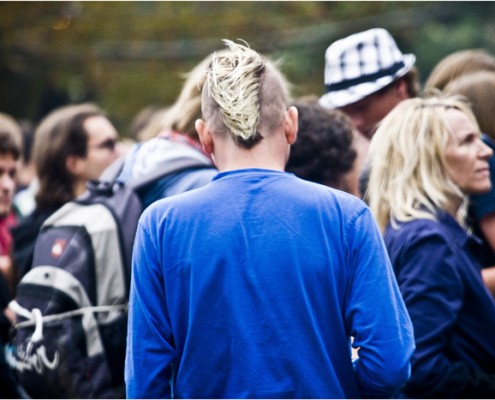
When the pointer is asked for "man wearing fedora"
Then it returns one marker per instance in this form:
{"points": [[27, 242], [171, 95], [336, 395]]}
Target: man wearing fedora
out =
{"points": [[366, 76]]}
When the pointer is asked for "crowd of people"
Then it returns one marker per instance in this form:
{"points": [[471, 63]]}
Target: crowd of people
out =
{"points": [[339, 245]]}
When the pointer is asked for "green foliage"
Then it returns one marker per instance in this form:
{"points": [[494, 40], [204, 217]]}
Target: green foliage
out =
{"points": [[128, 55]]}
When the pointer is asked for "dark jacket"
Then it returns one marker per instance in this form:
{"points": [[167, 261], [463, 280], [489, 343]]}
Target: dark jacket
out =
{"points": [[9, 388], [24, 236], [453, 313]]}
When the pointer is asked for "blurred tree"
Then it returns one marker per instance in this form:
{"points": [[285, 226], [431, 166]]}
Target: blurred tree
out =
{"points": [[128, 55]]}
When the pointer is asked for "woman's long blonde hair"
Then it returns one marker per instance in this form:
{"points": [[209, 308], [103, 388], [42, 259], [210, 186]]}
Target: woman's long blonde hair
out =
{"points": [[408, 176]]}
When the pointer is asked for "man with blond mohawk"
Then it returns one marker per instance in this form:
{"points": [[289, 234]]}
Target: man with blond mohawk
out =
{"points": [[253, 285]]}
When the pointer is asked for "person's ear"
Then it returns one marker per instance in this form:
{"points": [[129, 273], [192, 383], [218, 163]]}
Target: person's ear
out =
{"points": [[74, 164], [402, 91], [291, 124], [204, 136]]}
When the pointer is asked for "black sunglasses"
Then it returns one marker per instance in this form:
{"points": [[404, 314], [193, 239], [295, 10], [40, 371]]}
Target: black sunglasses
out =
{"points": [[109, 144]]}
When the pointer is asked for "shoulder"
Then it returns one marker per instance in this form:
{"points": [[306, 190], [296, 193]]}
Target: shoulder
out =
{"points": [[414, 235], [350, 206], [181, 202], [321, 198], [422, 243], [343, 211], [334, 196], [287, 189], [417, 229]]}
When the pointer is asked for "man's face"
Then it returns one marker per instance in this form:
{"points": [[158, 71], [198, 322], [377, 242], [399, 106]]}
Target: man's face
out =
{"points": [[8, 171], [367, 112], [102, 139]]}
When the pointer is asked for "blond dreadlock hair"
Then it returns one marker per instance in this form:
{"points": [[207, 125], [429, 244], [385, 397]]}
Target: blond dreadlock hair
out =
{"points": [[234, 83]]}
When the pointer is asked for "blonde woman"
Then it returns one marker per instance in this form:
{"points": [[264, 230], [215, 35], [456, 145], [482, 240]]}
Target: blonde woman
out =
{"points": [[479, 88], [426, 157]]}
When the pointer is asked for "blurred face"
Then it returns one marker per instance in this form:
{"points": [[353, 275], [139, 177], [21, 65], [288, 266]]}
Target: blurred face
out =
{"points": [[466, 155], [8, 171], [367, 112], [102, 140]]}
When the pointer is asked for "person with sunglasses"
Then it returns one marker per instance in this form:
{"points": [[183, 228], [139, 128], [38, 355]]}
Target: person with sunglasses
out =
{"points": [[72, 145]]}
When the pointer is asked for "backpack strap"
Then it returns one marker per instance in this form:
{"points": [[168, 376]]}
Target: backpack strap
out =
{"points": [[113, 171], [110, 177], [35, 318]]}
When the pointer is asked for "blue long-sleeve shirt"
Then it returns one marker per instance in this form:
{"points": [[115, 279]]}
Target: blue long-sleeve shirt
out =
{"points": [[252, 287], [452, 311]]}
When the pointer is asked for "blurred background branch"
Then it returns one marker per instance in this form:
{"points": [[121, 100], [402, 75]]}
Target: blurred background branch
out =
{"points": [[129, 55]]}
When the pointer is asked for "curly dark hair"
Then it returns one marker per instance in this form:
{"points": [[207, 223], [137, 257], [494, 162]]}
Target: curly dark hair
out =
{"points": [[323, 150]]}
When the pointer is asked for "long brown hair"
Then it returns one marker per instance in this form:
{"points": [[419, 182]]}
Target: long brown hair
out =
{"points": [[58, 136]]}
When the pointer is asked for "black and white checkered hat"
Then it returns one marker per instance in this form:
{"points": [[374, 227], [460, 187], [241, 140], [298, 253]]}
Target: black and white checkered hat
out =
{"points": [[360, 65]]}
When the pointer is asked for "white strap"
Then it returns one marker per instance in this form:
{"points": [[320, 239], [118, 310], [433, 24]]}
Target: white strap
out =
{"points": [[35, 318], [16, 307], [38, 320]]}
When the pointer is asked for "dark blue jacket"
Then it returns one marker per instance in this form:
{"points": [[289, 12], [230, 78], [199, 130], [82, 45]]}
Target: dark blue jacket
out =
{"points": [[453, 313]]}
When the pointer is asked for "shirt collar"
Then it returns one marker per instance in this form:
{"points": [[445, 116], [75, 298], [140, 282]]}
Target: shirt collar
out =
{"points": [[459, 234]]}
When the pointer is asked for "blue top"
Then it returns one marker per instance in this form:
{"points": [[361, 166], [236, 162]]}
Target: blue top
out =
{"points": [[251, 287], [452, 311]]}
